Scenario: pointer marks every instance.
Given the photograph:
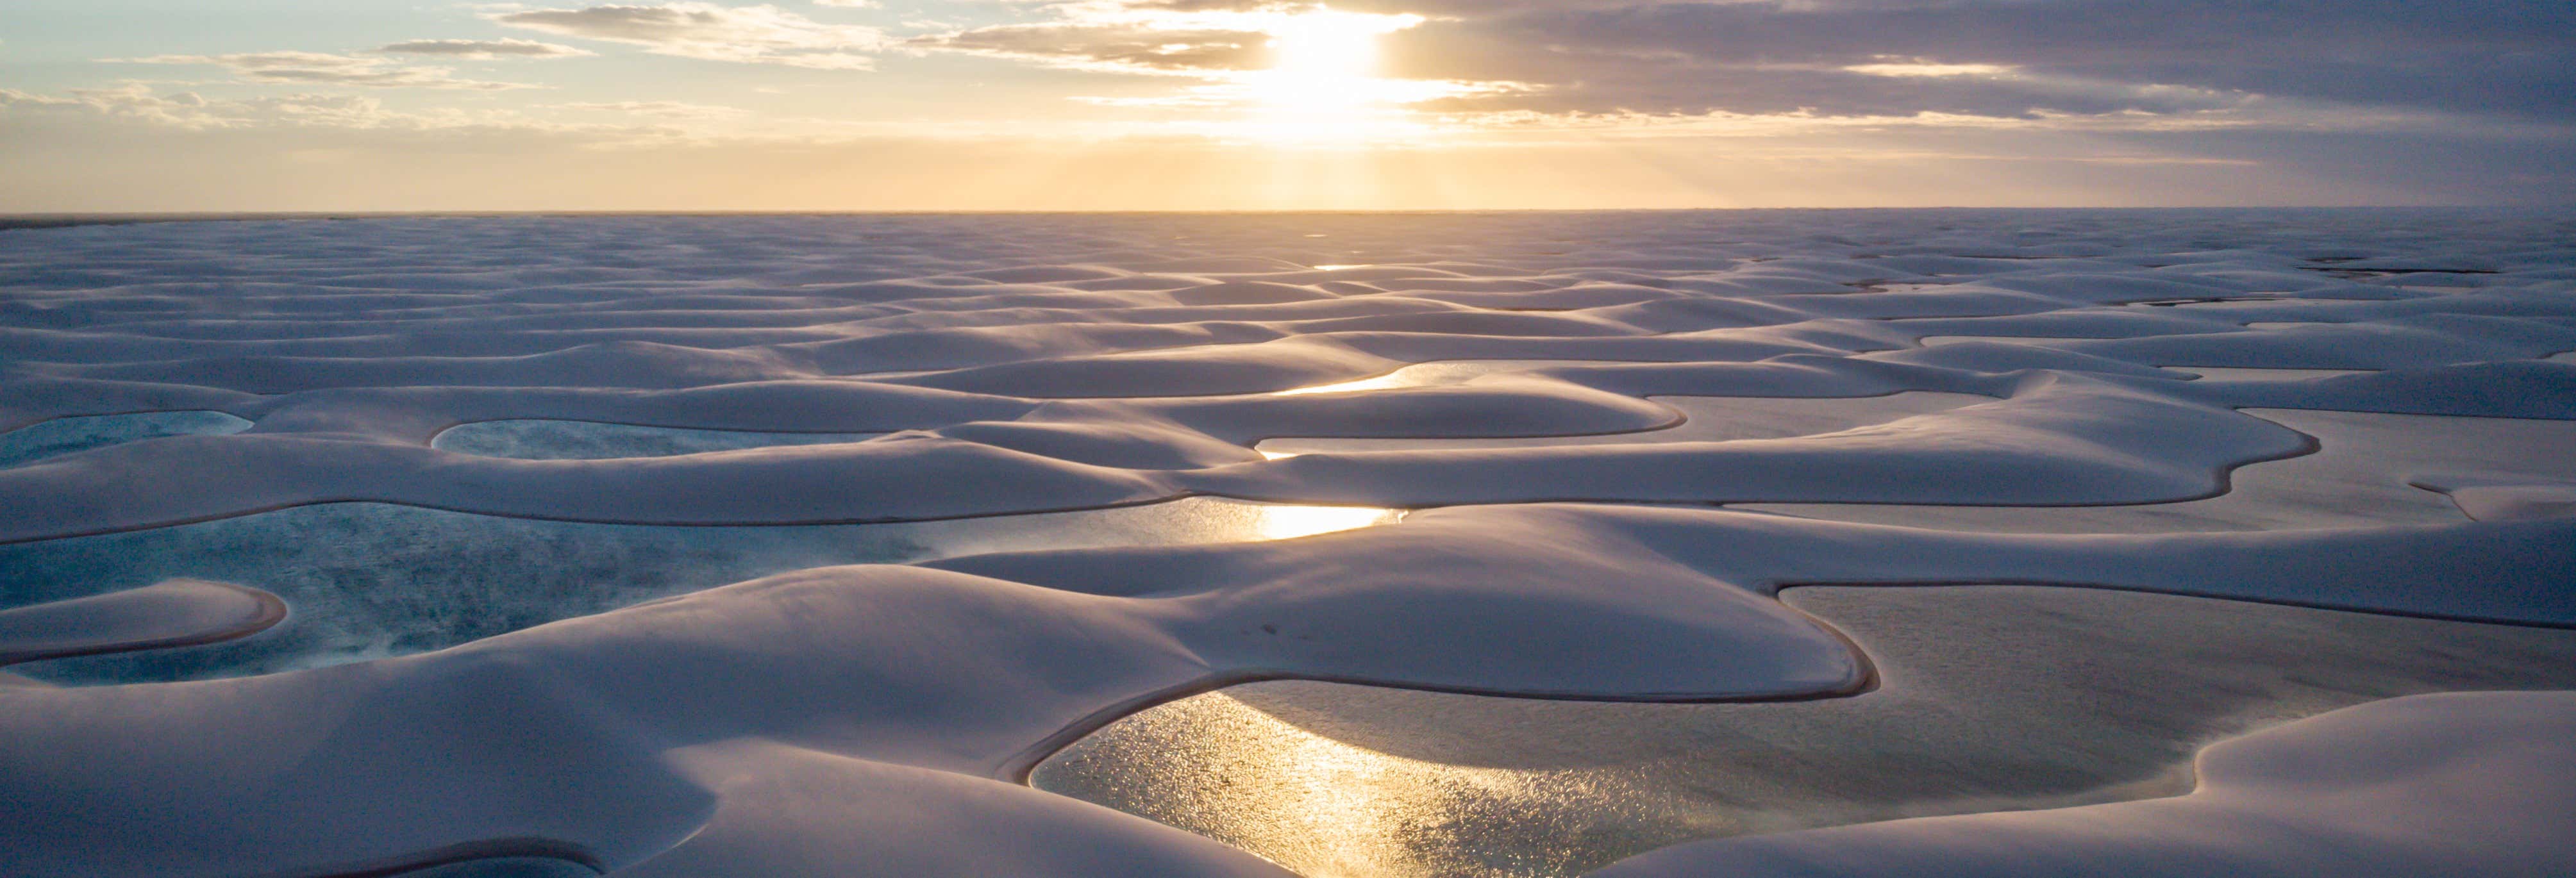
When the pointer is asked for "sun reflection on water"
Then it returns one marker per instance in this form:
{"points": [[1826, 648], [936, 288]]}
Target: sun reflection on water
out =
{"points": [[1382, 382], [1326, 808], [1291, 522], [1442, 372]]}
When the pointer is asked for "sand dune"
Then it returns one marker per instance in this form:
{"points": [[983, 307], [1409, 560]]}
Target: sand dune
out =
{"points": [[791, 545]]}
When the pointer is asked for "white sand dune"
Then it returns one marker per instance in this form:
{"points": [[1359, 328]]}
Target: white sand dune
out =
{"points": [[983, 485]]}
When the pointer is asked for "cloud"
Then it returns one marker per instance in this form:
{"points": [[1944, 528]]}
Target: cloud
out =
{"points": [[10, 97], [482, 50], [2514, 57], [126, 101], [1930, 68], [134, 108], [741, 34], [2012, 59], [668, 109], [321, 68], [1135, 47], [139, 102]]}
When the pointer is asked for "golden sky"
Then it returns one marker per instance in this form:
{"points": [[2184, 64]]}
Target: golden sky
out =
{"points": [[110, 105]]}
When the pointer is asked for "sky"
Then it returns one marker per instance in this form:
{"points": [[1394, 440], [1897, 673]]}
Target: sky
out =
{"points": [[364, 105]]}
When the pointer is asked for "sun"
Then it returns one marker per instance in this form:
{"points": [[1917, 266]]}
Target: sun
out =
{"points": [[1325, 66]]}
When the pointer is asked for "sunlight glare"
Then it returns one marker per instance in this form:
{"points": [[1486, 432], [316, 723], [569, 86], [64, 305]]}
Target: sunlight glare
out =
{"points": [[1316, 804], [1381, 382], [1291, 522], [1323, 80], [1325, 58]]}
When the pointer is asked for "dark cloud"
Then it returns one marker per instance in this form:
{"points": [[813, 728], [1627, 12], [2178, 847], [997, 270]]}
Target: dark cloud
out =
{"points": [[2477, 57], [2513, 57]]}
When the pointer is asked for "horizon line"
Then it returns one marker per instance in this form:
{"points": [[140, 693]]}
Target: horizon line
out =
{"points": [[66, 219]]}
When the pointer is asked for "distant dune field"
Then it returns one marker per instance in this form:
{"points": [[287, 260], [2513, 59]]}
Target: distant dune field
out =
{"points": [[1975, 542]]}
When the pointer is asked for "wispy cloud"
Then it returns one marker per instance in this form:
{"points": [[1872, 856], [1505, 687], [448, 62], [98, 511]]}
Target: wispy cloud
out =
{"points": [[741, 34], [323, 68], [666, 109], [140, 102], [305, 114], [482, 50], [1133, 47], [13, 97], [1929, 68]]}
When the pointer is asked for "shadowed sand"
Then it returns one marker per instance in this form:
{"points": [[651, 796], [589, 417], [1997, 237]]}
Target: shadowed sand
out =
{"points": [[175, 612]]}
